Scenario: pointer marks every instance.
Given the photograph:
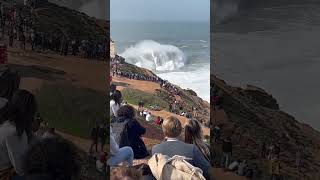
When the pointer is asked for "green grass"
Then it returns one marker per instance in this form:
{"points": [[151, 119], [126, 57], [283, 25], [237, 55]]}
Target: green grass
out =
{"points": [[71, 109], [133, 96]]}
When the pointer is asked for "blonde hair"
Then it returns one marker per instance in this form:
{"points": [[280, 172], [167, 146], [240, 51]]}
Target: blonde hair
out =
{"points": [[171, 127]]}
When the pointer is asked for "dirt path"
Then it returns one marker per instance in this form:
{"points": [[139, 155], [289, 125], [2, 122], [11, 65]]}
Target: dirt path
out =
{"points": [[220, 174], [146, 86], [83, 72]]}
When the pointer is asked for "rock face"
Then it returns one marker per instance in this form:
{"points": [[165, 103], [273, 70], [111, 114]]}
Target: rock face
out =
{"points": [[254, 117], [260, 97]]}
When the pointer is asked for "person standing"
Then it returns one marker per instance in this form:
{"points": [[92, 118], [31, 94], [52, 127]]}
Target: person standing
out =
{"points": [[275, 168], [94, 139], [227, 152], [102, 137]]}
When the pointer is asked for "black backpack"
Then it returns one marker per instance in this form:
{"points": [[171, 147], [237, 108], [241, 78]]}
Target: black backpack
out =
{"points": [[120, 131]]}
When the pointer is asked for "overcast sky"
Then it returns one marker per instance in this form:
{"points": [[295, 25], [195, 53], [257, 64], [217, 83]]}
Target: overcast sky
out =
{"points": [[160, 10]]}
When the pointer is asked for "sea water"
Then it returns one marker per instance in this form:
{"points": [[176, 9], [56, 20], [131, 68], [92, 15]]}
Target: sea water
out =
{"points": [[176, 51], [276, 48]]}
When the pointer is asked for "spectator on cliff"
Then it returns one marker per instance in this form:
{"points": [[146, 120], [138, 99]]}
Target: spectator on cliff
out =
{"points": [[298, 159], [194, 135], [134, 130], [113, 88], [263, 150], [242, 168], [172, 129], [102, 137], [50, 133], [149, 117], [275, 167], [226, 152], [277, 150], [94, 134], [15, 132], [217, 133], [115, 103], [52, 159], [158, 121], [118, 155]]}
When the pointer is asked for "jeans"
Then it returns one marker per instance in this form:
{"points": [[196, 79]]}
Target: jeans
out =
{"points": [[226, 157], [124, 154]]}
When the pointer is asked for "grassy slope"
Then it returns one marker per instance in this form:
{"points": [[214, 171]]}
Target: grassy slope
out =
{"points": [[133, 96], [71, 109]]}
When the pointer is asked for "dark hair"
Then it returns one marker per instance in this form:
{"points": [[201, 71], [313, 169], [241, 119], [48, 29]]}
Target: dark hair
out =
{"points": [[127, 111], [116, 96], [3, 112], [21, 111], [113, 88], [194, 135], [53, 157]]}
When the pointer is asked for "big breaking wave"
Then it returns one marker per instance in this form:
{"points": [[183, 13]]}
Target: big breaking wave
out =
{"points": [[155, 56]]}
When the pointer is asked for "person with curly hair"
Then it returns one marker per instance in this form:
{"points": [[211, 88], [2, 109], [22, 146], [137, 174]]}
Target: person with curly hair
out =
{"points": [[135, 130]]}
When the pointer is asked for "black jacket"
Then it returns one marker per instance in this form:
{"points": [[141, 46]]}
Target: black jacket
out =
{"points": [[135, 131]]}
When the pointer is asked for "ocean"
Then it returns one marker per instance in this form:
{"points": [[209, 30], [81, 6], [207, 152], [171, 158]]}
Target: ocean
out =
{"points": [[176, 51], [276, 48]]}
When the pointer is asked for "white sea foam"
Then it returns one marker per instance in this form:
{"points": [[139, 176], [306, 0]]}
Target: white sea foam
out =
{"points": [[155, 56]]}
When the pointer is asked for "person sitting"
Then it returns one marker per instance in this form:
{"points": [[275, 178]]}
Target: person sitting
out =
{"points": [[194, 135], [115, 103], [134, 130], [234, 165], [52, 159], [118, 155], [145, 113], [242, 168], [172, 129], [149, 117], [158, 121], [125, 173], [14, 132], [50, 133]]}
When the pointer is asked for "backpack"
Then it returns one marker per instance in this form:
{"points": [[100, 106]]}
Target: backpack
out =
{"points": [[119, 128], [165, 168]]}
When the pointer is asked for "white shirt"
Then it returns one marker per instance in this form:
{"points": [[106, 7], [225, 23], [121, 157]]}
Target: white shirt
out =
{"points": [[114, 107], [172, 139], [12, 147], [148, 117]]}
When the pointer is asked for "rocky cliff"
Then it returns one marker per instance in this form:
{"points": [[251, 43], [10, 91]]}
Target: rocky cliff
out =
{"points": [[187, 97], [254, 117]]}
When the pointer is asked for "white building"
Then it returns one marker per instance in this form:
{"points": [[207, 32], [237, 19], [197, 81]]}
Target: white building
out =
{"points": [[112, 49]]}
